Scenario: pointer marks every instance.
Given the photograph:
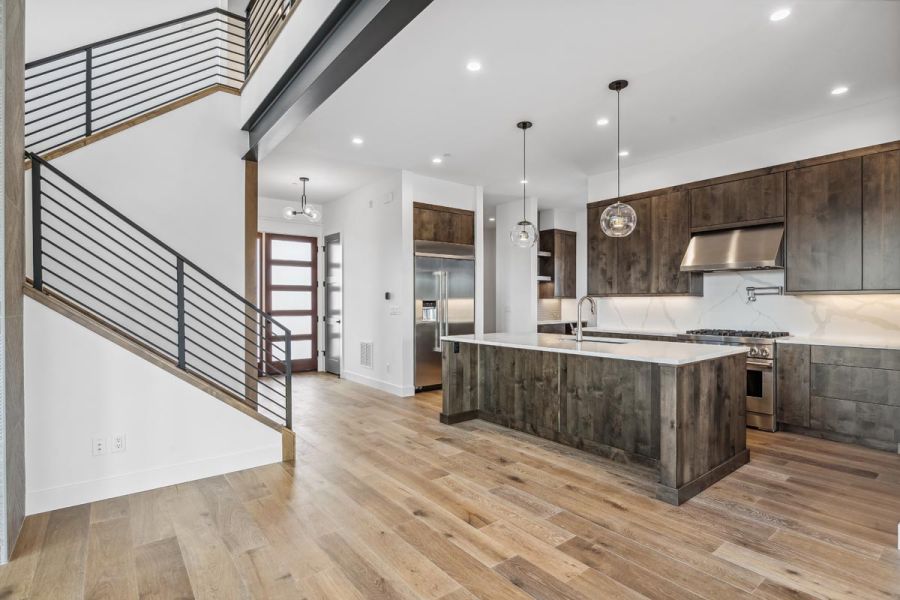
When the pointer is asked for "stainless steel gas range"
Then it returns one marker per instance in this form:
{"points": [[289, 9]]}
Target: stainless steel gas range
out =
{"points": [[761, 391]]}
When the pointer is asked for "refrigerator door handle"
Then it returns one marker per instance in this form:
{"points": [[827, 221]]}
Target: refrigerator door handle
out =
{"points": [[440, 311], [446, 316]]}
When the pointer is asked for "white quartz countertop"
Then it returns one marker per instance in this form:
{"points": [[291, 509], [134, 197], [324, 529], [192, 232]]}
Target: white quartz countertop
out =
{"points": [[847, 342], [630, 331], [664, 353]]}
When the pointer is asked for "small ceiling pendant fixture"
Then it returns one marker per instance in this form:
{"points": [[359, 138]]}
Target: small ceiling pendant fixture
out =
{"points": [[307, 210], [524, 234], [619, 219]]}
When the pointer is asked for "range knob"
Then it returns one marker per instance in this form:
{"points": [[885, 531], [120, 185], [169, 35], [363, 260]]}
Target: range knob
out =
{"points": [[754, 352], [764, 352]]}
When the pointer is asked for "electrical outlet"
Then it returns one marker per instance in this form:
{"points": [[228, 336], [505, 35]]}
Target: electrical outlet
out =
{"points": [[99, 446], [118, 443]]}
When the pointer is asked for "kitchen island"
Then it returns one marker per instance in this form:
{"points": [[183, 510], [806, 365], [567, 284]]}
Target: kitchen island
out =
{"points": [[677, 408]]}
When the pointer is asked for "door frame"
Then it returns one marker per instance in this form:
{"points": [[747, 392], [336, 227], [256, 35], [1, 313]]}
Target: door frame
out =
{"points": [[325, 240], [302, 364]]}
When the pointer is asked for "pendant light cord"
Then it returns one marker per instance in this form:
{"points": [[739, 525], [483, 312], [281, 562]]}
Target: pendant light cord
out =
{"points": [[524, 178], [618, 146]]}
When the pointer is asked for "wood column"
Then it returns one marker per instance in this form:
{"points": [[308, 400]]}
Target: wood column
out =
{"points": [[251, 220], [12, 401]]}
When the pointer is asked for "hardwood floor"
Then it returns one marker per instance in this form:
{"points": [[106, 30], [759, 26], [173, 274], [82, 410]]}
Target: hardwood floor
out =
{"points": [[385, 502]]}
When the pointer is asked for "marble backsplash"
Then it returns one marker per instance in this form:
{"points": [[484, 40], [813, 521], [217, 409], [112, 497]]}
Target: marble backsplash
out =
{"points": [[724, 305]]}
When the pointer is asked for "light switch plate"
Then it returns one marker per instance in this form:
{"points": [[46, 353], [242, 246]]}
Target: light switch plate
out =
{"points": [[98, 445]]}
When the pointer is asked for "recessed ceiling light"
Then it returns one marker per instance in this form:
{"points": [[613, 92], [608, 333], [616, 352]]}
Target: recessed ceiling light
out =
{"points": [[491, 219], [524, 181], [623, 153], [780, 14], [437, 160], [603, 121], [473, 65], [841, 89], [357, 140]]}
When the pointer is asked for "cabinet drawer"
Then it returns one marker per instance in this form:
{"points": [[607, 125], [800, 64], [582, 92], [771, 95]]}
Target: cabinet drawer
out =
{"points": [[874, 425], [857, 357], [873, 386]]}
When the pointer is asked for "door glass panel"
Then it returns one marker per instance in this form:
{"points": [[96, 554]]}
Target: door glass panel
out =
{"points": [[283, 300], [297, 325], [301, 349], [285, 275], [290, 250]]}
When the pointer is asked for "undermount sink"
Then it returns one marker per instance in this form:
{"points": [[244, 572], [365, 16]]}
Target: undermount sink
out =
{"points": [[595, 341]]}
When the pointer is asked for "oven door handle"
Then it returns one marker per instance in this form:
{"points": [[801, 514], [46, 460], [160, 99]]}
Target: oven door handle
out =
{"points": [[759, 363]]}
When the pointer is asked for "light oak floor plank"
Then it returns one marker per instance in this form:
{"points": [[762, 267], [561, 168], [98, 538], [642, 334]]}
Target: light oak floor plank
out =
{"points": [[383, 501]]}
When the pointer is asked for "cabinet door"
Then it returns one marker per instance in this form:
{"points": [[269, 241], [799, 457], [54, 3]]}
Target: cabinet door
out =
{"points": [[547, 264], [462, 229], [602, 256], [755, 199], [564, 264], [671, 234], [824, 227], [881, 221], [635, 251], [792, 383]]}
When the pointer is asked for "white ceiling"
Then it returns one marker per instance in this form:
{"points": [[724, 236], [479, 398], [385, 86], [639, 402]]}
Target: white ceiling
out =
{"points": [[701, 71]]}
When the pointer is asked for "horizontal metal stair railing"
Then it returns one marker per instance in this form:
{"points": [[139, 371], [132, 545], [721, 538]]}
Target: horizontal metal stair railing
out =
{"points": [[84, 91], [94, 257]]}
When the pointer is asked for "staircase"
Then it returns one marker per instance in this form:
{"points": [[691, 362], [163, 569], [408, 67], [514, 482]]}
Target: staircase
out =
{"points": [[88, 93], [96, 266]]}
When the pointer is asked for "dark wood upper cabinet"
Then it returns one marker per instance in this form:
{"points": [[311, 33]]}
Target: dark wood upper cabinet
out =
{"points": [[635, 251], [647, 262], [602, 256], [559, 266], [750, 201], [881, 221], [443, 224], [823, 249], [671, 234]]}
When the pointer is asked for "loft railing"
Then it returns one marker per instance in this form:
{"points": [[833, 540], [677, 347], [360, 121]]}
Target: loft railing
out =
{"points": [[84, 91], [265, 19], [91, 255]]}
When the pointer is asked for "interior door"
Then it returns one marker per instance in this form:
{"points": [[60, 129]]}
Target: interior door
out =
{"points": [[334, 291], [290, 294]]}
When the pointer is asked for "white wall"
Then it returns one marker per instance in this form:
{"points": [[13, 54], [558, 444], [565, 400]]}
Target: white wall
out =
{"points": [[53, 26], [516, 272], [79, 386], [490, 279], [850, 317], [370, 221], [181, 177]]}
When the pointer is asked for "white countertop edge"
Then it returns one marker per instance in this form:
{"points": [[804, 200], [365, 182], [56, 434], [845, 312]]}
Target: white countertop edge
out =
{"points": [[875, 344], [560, 322], [648, 351]]}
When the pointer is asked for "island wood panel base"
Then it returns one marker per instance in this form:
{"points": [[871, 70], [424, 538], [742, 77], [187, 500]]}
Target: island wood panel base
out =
{"points": [[686, 422]]}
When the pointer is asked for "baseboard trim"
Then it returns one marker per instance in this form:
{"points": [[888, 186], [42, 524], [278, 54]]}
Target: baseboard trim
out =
{"points": [[38, 501], [390, 388]]}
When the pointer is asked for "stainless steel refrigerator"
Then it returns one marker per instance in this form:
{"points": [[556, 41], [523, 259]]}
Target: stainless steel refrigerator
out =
{"points": [[445, 303]]}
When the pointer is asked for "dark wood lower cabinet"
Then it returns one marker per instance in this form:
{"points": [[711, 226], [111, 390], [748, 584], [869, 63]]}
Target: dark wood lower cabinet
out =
{"points": [[792, 384], [841, 393]]}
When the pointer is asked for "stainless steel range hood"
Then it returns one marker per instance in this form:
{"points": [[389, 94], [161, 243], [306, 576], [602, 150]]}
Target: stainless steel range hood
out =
{"points": [[744, 249]]}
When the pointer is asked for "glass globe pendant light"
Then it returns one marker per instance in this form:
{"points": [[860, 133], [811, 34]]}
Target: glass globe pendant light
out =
{"points": [[307, 210], [524, 233], [619, 219]]}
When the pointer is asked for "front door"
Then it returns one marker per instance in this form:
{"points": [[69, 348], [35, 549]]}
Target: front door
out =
{"points": [[289, 284], [334, 283]]}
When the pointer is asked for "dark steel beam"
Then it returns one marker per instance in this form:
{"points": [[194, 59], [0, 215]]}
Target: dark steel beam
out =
{"points": [[352, 34]]}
